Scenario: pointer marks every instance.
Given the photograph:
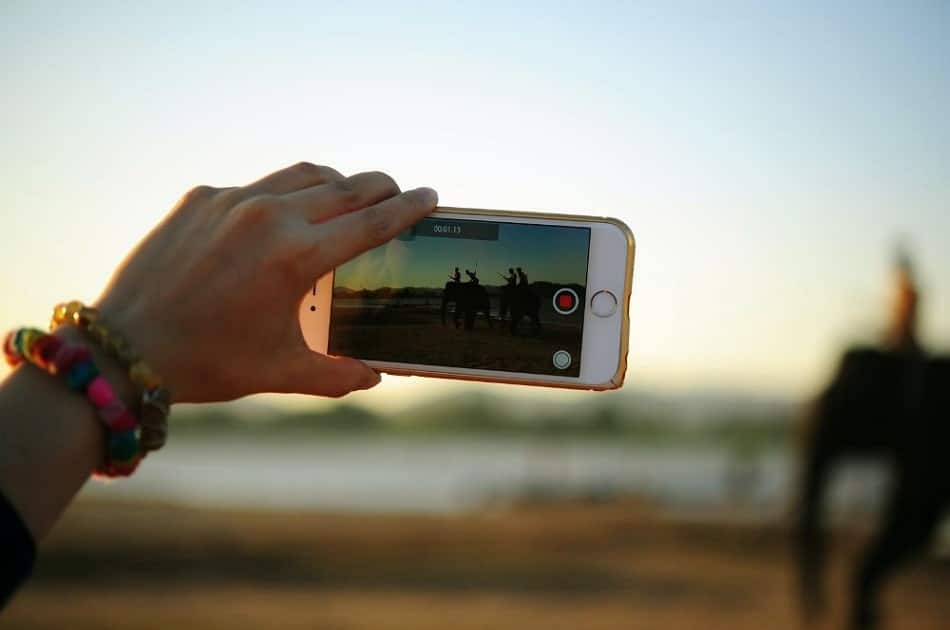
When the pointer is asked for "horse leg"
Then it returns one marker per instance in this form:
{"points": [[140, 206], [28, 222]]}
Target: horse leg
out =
{"points": [[911, 519], [809, 538]]}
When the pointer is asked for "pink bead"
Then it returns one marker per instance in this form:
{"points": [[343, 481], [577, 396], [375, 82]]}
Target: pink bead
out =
{"points": [[110, 413], [100, 392], [124, 422]]}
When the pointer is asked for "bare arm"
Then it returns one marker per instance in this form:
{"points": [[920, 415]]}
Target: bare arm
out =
{"points": [[50, 440], [209, 298]]}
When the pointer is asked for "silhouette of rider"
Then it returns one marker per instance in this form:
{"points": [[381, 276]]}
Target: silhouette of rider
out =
{"points": [[456, 277], [901, 336], [473, 279], [902, 326], [511, 281], [523, 278]]}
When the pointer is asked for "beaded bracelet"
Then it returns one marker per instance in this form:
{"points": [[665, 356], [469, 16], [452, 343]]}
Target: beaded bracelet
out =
{"points": [[56, 356], [155, 399]]}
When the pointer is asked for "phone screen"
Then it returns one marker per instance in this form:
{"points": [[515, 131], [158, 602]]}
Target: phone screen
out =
{"points": [[490, 295]]}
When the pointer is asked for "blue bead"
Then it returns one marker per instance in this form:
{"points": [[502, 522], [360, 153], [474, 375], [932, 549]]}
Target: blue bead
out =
{"points": [[81, 374]]}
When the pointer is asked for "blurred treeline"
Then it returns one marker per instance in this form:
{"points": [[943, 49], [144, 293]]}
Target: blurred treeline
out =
{"points": [[720, 420]]}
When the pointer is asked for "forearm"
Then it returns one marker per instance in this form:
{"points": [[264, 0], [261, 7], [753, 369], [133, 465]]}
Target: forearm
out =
{"points": [[50, 438]]}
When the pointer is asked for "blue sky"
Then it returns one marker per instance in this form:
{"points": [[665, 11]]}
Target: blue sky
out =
{"points": [[766, 155]]}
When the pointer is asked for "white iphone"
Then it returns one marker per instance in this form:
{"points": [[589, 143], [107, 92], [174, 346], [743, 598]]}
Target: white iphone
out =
{"points": [[487, 295]]}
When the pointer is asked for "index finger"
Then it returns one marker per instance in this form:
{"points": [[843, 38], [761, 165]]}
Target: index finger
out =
{"points": [[347, 236]]}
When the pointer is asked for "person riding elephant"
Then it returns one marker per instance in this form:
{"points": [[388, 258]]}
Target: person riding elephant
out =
{"points": [[522, 302], [469, 299], [891, 400], [511, 282]]}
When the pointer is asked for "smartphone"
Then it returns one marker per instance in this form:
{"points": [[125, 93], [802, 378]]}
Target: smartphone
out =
{"points": [[487, 295]]}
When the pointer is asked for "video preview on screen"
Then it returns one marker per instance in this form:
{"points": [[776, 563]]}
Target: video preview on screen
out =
{"points": [[463, 293]]}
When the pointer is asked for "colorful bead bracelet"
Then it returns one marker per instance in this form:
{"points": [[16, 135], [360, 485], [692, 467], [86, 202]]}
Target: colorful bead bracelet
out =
{"points": [[57, 356], [155, 399]]}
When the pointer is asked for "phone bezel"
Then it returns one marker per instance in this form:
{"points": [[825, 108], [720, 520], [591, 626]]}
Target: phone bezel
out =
{"points": [[605, 342]]}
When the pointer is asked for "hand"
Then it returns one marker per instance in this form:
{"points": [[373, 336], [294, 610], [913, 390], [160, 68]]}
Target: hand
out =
{"points": [[210, 297]]}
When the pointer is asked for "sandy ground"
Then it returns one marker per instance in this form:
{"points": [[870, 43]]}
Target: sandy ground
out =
{"points": [[417, 335], [552, 567]]}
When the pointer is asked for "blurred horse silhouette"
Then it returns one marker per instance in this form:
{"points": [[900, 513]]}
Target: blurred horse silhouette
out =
{"points": [[892, 402]]}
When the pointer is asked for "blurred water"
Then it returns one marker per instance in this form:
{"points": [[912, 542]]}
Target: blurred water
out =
{"points": [[448, 474]]}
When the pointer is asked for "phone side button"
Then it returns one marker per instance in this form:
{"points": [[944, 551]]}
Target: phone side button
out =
{"points": [[603, 304]]}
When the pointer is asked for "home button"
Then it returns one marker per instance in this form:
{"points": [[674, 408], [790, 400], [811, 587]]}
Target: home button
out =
{"points": [[603, 304]]}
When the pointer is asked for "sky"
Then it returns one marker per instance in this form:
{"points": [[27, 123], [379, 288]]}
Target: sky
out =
{"points": [[545, 253], [768, 156]]}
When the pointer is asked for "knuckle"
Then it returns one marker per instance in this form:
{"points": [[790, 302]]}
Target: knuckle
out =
{"points": [[385, 182], [329, 173], [337, 391], [228, 197], [323, 174], [259, 210], [347, 192], [198, 194], [345, 185], [314, 172], [306, 167]]}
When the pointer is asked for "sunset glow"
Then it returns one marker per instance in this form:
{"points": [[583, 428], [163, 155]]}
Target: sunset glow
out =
{"points": [[766, 217]]}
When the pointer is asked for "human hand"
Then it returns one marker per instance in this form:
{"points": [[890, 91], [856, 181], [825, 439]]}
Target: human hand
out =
{"points": [[210, 296]]}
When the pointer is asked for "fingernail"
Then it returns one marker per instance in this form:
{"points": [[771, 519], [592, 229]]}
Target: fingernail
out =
{"points": [[432, 197]]}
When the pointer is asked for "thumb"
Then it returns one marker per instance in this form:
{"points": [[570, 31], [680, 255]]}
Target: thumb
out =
{"points": [[323, 375]]}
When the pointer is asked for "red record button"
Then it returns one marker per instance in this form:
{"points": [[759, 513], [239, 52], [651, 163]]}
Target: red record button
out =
{"points": [[565, 301]]}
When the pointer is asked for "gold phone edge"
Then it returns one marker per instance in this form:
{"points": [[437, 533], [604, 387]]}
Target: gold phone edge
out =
{"points": [[616, 381]]}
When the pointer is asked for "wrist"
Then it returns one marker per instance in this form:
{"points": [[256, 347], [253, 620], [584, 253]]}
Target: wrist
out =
{"points": [[107, 365], [153, 399], [145, 337], [53, 436]]}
